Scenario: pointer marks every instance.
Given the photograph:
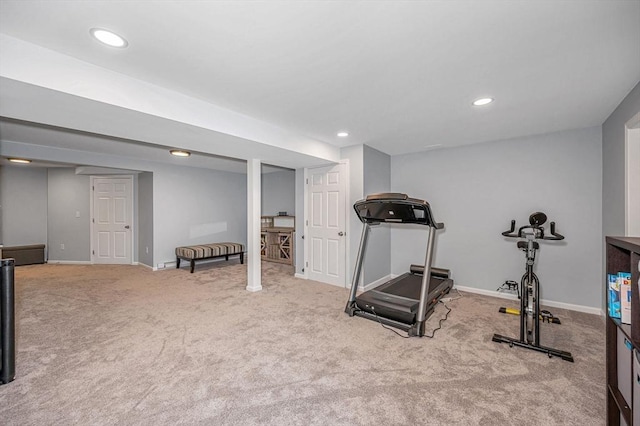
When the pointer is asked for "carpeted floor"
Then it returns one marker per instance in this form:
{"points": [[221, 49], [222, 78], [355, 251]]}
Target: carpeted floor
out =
{"points": [[103, 345]]}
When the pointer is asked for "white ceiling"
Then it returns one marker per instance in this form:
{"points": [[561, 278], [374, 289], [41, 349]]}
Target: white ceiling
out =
{"points": [[399, 76], [74, 141]]}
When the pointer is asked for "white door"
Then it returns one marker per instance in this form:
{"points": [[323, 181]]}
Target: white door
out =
{"points": [[326, 227], [112, 220]]}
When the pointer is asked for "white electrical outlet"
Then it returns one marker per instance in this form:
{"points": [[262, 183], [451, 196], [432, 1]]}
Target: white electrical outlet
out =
{"points": [[77, 213], [160, 265], [61, 246], [147, 250]]}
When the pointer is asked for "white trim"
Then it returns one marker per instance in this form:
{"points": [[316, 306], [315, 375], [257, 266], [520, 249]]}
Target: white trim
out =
{"points": [[70, 262], [631, 149], [305, 223], [550, 303], [301, 276], [347, 227], [134, 183], [375, 283], [144, 265], [171, 264]]}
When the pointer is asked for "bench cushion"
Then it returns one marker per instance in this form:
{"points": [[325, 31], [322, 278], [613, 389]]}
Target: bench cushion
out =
{"points": [[204, 251]]}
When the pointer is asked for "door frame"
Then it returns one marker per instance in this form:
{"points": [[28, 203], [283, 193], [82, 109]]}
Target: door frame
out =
{"points": [[347, 231], [134, 221], [631, 149]]}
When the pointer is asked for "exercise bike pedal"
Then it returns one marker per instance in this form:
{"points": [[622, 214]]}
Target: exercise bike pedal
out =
{"points": [[509, 311], [547, 316]]}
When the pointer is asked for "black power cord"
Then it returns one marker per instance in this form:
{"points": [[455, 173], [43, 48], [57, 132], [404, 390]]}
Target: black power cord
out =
{"points": [[433, 333]]}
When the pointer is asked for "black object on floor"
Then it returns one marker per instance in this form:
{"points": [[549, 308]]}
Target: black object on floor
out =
{"points": [[7, 322]]}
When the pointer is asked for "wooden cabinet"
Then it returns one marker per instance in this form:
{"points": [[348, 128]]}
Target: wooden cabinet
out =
{"points": [[623, 340], [277, 242]]}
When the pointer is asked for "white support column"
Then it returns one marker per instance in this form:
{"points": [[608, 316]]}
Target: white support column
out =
{"points": [[254, 271]]}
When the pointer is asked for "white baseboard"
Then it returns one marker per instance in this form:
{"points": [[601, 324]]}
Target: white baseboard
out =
{"points": [[70, 262], [300, 275], [375, 283], [550, 303], [143, 264], [168, 265]]}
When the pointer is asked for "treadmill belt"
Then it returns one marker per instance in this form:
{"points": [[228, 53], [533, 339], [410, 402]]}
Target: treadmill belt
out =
{"points": [[399, 298], [406, 285]]}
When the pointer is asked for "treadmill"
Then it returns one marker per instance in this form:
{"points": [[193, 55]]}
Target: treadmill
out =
{"points": [[407, 301]]}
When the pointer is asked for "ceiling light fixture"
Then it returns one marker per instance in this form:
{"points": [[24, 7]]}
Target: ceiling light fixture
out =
{"points": [[343, 134], [19, 160], [482, 101], [180, 153], [108, 37]]}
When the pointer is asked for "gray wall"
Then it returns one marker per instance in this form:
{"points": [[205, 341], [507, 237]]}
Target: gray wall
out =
{"points": [[278, 193], [613, 164], [68, 193], [23, 197], [476, 190], [145, 218], [189, 205], [196, 206], [376, 178]]}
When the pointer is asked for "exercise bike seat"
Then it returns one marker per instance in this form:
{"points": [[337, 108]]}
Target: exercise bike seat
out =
{"points": [[523, 245]]}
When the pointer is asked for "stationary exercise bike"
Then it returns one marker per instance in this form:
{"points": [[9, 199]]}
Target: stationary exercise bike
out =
{"points": [[530, 286]]}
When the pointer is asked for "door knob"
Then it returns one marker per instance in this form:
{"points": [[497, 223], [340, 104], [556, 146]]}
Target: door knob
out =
{"points": [[341, 233], [126, 227]]}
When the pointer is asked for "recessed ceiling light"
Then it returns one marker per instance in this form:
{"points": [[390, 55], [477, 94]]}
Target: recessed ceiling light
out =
{"points": [[180, 153], [482, 101], [343, 134], [19, 160], [108, 37]]}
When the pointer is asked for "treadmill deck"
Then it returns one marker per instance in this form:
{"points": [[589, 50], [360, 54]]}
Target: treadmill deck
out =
{"points": [[398, 299]]}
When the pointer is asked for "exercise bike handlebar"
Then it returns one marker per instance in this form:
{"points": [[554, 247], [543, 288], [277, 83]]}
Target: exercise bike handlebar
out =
{"points": [[509, 232], [538, 232], [554, 234]]}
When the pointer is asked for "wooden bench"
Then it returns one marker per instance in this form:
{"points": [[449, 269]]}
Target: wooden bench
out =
{"points": [[208, 251]]}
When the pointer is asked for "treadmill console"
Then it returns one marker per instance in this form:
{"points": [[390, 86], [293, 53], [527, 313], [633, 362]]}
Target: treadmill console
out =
{"points": [[394, 208]]}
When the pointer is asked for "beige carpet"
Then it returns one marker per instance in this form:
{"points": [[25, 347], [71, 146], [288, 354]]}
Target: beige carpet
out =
{"points": [[100, 345]]}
